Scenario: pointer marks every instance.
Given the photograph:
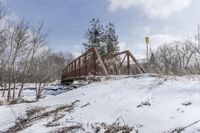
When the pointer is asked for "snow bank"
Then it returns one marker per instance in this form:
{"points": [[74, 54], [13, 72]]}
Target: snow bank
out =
{"points": [[150, 104]]}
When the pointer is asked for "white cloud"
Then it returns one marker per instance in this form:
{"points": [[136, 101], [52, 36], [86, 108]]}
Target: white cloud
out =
{"points": [[139, 48], [160, 39], [153, 8]]}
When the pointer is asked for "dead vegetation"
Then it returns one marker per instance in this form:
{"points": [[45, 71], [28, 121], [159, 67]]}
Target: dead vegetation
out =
{"points": [[56, 117], [1, 102], [34, 110], [119, 126], [69, 129], [146, 103], [37, 113], [181, 129], [186, 103], [85, 105]]}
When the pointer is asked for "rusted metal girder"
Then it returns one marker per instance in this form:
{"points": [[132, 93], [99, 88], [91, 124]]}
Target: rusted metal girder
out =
{"points": [[129, 55], [90, 63]]}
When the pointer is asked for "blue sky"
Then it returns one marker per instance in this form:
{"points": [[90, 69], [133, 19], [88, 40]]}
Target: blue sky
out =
{"points": [[162, 20]]}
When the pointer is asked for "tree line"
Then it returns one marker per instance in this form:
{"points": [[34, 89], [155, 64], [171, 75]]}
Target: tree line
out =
{"points": [[25, 56], [178, 57]]}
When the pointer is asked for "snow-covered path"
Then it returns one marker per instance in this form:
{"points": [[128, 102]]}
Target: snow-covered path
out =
{"points": [[150, 104]]}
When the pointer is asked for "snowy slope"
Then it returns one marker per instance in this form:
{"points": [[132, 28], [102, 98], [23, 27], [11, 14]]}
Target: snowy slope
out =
{"points": [[147, 103]]}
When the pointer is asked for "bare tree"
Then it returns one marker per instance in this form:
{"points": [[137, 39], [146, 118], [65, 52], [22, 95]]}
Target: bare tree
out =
{"points": [[3, 11], [3, 41], [42, 71], [185, 52], [166, 59], [19, 35], [37, 41], [176, 57], [68, 57]]}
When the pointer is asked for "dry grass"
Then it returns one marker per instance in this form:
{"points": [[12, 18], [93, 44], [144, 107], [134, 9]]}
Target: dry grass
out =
{"points": [[55, 119], [119, 126], [37, 113], [1, 102], [34, 110], [69, 129]]}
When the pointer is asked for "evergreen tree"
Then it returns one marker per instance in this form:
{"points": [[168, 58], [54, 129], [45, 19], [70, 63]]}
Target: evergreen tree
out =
{"points": [[111, 40], [106, 41], [95, 36]]}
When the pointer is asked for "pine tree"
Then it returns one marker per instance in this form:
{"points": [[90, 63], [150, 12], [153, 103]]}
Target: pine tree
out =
{"points": [[95, 36], [111, 40], [106, 41]]}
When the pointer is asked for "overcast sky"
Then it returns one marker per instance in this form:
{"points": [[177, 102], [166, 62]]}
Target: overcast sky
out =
{"points": [[162, 20]]}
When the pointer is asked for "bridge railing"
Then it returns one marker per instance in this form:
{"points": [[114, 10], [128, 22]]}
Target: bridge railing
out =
{"points": [[123, 63], [91, 63]]}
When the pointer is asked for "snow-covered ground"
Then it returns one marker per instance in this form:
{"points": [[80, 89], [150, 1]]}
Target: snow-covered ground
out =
{"points": [[29, 91], [150, 104]]}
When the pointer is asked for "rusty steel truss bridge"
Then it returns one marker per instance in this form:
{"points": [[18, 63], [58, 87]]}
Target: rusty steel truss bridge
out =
{"points": [[91, 64]]}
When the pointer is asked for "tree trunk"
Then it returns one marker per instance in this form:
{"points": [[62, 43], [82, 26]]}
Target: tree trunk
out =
{"points": [[9, 89], [21, 88], [13, 96], [4, 90], [38, 93], [14, 87]]}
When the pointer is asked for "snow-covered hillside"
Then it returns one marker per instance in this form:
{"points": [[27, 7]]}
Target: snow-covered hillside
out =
{"points": [[148, 104]]}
